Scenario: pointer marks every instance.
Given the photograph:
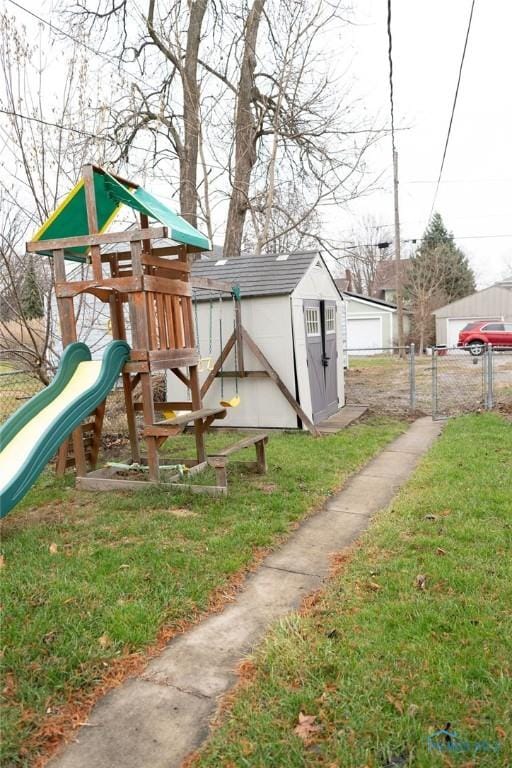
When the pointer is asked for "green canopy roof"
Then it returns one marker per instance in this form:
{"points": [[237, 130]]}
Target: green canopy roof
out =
{"points": [[70, 218]]}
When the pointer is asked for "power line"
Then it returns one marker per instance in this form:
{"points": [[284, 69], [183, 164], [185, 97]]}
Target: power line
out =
{"points": [[399, 291], [391, 92], [52, 26], [386, 244], [461, 65], [50, 124], [457, 181], [115, 61]]}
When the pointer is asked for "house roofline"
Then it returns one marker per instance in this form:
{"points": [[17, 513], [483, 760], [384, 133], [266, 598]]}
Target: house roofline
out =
{"points": [[370, 300], [499, 286]]}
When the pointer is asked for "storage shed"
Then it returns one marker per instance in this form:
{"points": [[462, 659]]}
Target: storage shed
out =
{"points": [[493, 303], [293, 312], [372, 324]]}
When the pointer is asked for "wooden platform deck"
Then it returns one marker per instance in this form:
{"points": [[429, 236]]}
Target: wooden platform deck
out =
{"points": [[338, 421]]}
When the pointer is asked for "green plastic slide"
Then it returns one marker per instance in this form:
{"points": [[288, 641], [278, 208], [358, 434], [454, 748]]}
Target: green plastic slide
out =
{"points": [[32, 435]]}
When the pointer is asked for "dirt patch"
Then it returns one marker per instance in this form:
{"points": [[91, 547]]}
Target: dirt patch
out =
{"points": [[52, 512], [180, 512], [266, 487], [383, 384]]}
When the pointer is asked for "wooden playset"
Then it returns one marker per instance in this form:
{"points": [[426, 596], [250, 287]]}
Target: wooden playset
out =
{"points": [[154, 282]]}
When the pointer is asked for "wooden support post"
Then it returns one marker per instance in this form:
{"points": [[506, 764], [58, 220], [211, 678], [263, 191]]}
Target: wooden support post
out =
{"points": [[62, 456], [196, 406], [99, 415], [149, 419], [239, 339], [119, 332], [261, 459], [68, 334], [279, 382], [219, 465], [92, 218], [144, 224]]}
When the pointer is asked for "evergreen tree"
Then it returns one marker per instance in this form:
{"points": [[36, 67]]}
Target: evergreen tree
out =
{"points": [[31, 299], [439, 274], [458, 277]]}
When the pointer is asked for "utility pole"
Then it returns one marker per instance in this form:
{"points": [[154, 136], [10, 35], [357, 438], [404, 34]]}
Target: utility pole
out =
{"points": [[399, 286]]}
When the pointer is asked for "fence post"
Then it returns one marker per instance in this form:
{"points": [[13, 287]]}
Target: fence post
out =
{"points": [[434, 382], [489, 399], [412, 377]]}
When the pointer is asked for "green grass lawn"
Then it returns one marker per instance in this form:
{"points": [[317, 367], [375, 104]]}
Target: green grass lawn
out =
{"points": [[375, 361], [90, 578], [380, 663]]}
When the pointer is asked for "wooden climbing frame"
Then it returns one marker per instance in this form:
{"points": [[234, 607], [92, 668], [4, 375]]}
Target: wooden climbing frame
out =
{"points": [[150, 286]]}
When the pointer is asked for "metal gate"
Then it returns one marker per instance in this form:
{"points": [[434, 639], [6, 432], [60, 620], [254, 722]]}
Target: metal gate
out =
{"points": [[463, 382]]}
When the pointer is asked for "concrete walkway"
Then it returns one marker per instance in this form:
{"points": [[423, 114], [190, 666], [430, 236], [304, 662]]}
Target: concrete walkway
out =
{"points": [[155, 720]]}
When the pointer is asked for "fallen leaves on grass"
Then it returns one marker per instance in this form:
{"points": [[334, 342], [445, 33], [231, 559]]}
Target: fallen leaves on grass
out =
{"points": [[104, 641], [306, 727], [53, 548], [421, 581], [2, 561], [60, 726], [10, 685], [246, 671], [396, 703], [440, 551]]}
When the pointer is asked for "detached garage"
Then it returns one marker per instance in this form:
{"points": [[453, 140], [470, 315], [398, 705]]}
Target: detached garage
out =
{"points": [[370, 324], [494, 303]]}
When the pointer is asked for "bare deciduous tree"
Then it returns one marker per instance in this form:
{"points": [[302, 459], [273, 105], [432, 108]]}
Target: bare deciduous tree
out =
{"points": [[372, 245], [44, 144], [240, 91], [425, 293]]}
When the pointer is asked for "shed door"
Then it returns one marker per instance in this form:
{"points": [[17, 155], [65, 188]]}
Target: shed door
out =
{"points": [[322, 353]]}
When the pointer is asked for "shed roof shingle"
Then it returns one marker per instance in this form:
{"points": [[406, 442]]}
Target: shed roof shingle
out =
{"points": [[264, 275]]}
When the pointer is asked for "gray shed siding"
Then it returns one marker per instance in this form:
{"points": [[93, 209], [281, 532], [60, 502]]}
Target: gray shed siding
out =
{"points": [[491, 303]]}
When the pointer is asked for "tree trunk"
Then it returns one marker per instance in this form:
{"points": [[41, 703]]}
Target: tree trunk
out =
{"points": [[191, 117], [245, 137]]}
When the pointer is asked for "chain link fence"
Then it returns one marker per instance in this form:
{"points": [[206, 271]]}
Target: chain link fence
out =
{"points": [[463, 382], [446, 382], [16, 387], [390, 380]]}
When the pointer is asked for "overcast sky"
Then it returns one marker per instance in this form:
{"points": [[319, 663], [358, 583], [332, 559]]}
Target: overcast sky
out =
{"points": [[474, 197]]}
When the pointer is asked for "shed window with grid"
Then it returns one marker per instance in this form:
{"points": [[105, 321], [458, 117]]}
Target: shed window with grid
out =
{"points": [[330, 319], [313, 321]]}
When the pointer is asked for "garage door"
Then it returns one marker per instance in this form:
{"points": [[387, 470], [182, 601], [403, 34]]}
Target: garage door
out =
{"points": [[454, 326], [364, 335]]}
